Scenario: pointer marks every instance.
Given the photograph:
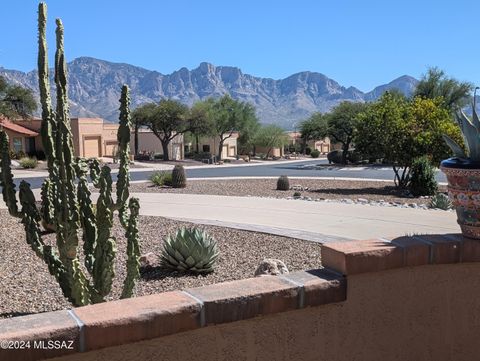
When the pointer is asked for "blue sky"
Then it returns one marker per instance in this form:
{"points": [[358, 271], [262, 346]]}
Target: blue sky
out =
{"points": [[359, 43]]}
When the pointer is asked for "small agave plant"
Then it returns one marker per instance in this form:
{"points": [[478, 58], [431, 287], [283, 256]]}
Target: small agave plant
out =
{"points": [[471, 135], [190, 250]]}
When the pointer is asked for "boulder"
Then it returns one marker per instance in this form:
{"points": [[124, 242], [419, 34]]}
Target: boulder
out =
{"points": [[148, 260], [270, 266]]}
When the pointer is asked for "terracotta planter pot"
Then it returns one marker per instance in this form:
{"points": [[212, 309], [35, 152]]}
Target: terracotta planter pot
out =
{"points": [[464, 192]]}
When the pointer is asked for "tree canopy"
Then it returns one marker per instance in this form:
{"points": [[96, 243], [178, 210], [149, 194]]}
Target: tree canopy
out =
{"points": [[313, 128], [342, 124], [270, 136], [166, 120], [15, 101], [435, 84], [398, 130]]}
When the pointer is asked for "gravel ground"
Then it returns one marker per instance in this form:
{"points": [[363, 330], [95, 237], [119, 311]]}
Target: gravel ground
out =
{"points": [[27, 287], [317, 189]]}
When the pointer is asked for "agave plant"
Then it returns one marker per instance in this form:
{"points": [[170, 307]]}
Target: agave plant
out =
{"points": [[190, 250], [440, 201], [471, 135]]}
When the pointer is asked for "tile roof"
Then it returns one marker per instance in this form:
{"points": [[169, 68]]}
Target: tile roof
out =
{"points": [[7, 124]]}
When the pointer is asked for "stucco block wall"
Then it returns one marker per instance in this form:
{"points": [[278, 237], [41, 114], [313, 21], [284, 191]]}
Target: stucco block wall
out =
{"points": [[148, 142], [421, 313]]}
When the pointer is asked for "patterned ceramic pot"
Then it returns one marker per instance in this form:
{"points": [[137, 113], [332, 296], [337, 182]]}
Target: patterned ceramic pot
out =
{"points": [[464, 192]]}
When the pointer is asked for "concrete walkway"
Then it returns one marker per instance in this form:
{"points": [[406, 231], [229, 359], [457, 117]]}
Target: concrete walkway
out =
{"points": [[317, 221], [313, 221]]}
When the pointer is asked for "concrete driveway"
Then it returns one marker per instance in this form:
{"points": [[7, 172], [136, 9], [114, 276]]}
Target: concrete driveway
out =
{"points": [[316, 221]]}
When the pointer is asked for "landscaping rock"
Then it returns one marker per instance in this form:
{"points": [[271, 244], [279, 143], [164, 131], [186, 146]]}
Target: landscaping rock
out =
{"points": [[362, 200], [148, 260], [270, 266]]}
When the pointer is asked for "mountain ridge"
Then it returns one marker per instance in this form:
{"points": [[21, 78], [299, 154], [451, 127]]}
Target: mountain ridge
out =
{"points": [[94, 89]]}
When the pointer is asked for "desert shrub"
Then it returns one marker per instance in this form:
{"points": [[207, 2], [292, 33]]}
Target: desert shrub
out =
{"points": [[354, 157], [297, 195], [335, 156], [161, 179], [315, 153], [440, 201], [190, 250], [28, 163], [422, 178], [283, 183]]}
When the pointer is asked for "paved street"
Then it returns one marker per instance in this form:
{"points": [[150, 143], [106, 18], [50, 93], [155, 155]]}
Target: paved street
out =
{"points": [[308, 168]]}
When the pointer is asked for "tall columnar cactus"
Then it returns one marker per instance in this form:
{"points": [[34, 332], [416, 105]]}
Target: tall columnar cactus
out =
{"points": [[67, 207]]}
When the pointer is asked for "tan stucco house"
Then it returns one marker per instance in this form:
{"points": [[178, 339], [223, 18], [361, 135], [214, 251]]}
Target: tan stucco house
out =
{"points": [[92, 137], [322, 145], [211, 144]]}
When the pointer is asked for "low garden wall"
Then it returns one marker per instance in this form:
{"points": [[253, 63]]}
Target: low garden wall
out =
{"points": [[414, 298]]}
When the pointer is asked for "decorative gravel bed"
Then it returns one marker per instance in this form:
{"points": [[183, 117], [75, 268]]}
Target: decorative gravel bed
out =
{"points": [[27, 287], [316, 189]]}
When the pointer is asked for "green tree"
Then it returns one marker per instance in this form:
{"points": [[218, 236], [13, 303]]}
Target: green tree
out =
{"points": [[228, 116], [313, 128], [342, 124], [399, 130], [270, 136], [15, 101], [200, 121], [435, 84], [138, 116], [166, 120]]}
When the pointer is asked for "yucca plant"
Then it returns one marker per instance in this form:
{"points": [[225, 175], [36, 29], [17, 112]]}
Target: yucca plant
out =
{"points": [[190, 250], [471, 136], [440, 201]]}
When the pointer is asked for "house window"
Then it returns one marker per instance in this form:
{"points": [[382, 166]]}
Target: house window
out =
{"points": [[206, 148], [17, 144]]}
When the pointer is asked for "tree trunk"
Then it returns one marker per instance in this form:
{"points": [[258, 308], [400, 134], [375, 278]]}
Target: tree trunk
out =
{"points": [[196, 140], [304, 146], [165, 149], [220, 148], [135, 151], [345, 152]]}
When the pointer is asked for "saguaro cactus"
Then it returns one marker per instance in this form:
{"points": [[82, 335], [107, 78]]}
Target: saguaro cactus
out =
{"points": [[67, 207]]}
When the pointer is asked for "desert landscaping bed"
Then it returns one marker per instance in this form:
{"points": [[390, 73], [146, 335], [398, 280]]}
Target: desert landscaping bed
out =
{"points": [[27, 287], [316, 189]]}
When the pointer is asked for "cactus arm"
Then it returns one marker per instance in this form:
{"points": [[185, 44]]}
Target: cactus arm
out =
{"points": [[87, 215], [48, 202], [6, 177], [94, 165], [30, 220], [105, 249], [47, 129], [133, 250], [123, 137]]}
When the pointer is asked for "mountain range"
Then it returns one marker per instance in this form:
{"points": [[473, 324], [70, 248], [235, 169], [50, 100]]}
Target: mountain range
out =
{"points": [[94, 89]]}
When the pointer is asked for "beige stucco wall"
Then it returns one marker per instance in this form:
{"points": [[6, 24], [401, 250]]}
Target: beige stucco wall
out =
{"points": [[230, 145], [148, 142], [428, 313]]}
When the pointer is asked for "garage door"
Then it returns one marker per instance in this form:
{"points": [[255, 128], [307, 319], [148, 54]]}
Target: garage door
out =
{"points": [[91, 147], [110, 149], [231, 152]]}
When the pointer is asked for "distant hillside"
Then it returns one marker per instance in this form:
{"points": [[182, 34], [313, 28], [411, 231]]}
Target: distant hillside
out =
{"points": [[95, 89]]}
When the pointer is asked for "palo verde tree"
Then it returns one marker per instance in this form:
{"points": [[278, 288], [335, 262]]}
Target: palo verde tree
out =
{"points": [[66, 205], [16, 101], [166, 120]]}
